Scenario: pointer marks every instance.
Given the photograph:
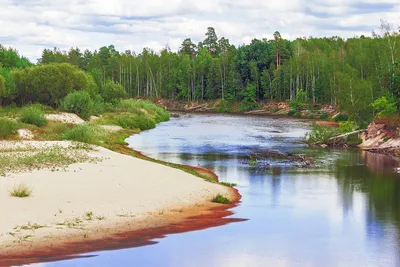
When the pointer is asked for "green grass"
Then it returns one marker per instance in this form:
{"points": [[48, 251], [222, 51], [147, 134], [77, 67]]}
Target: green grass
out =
{"points": [[90, 134], [7, 127], [228, 184], [142, 107], [33, 115], [52, 158], [221, 199], [88, 215], [20, 191]]}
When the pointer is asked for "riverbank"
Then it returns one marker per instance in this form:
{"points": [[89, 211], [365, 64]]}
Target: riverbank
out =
{"points": [[89, 203], [269, 108]]}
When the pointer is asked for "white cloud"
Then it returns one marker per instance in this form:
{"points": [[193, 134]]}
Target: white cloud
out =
{"points": [[32, 25]]}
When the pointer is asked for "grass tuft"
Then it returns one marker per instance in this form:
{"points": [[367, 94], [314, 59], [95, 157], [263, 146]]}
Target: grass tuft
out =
{"points": [[221, 199], [7, 127], [33, 115], [228, 184], [21, 191]]}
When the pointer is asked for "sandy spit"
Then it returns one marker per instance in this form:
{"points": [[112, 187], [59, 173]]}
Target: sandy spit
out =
{"points": [[90, 200]]}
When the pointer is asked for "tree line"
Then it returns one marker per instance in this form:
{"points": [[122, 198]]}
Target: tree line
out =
{"points": [[351, 73]]}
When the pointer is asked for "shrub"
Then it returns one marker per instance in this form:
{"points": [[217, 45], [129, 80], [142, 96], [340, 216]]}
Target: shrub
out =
{"points": [[385, 106], [310, 116], [50, 83], [133, 121], [221, 199], [324, 116], [33, 115], [140, 107], [346, 126], [79, 103], [291, 113], [297, 114], [341, 117], [84, 133], [7, 127], [321, 134], [353, 140], [98, 106], [111, 92], [300, 100], [21, 191]]}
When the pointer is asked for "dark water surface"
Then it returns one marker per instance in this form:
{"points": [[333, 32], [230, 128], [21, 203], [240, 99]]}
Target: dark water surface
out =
{"points": [[343, 212]]}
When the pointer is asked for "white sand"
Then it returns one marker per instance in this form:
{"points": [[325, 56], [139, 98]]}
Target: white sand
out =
{"points": [[65, 118], [118, 188]]}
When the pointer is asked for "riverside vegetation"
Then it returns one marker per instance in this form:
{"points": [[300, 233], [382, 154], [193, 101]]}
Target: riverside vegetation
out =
{"points": [[359, 76]]}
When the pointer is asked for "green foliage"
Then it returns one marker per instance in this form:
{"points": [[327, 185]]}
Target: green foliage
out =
{"points": [[225, 106], [341, 117], [300, 100], [310, 116], [7, 127], [321, 133], [112, 92], [324, 116], [353, 140], [291, 113], [141, 107], [85, 133], [297, 114], [79, 103], [98, 105], [33, 114], [133, 121], [385, 106], [346, 127], [49, 84], [20, 191], [221, 199]]}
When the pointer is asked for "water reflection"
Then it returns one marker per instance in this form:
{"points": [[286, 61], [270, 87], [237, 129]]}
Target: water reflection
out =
{"points": [[344, 212]]}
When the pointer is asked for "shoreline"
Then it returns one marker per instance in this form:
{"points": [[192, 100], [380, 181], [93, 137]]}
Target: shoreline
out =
{"points": [[127, 231]]}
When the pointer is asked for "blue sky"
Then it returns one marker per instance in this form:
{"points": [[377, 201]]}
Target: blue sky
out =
{"points": [[32, 25]]}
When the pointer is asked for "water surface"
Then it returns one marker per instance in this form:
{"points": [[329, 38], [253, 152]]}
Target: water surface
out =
{"points": [[343, 212]]}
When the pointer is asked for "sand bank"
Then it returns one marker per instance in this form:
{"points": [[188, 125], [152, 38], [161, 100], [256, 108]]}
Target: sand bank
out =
{"points": [[92, 200]]}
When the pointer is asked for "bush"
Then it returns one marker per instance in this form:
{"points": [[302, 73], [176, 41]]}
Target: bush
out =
{"points": [[50, 83], [346, 126], [291, 113], [324, 116], [300, 100], [341, 117], [321, 133], [311, 116], [133, 121], [144, 108], [7, 127], [111, 92], [385, 106], [98, 106], [79, 103], [20, 191], [297, 115], [221, 199], [84, 133], [33, 115]]}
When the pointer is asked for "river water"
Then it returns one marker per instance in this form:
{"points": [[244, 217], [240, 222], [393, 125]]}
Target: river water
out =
{"points": [[344, 211]]}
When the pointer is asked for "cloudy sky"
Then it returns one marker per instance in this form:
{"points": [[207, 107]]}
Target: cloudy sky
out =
{"points": [[32, 25]]}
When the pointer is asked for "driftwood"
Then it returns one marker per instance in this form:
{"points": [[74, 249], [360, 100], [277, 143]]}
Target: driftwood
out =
{"points": [[346, 134], [198, 107], [262, 158], [338, 141]]}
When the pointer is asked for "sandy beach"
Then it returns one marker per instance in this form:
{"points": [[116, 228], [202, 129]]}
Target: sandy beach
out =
{"points": [[88, 200]]}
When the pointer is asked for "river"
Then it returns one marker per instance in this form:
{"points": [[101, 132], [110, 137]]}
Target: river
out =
{"points": [[344, 211]]}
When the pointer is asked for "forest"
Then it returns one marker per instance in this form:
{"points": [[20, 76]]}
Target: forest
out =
{"points": [[349, 73]]}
